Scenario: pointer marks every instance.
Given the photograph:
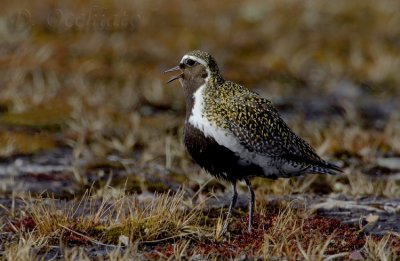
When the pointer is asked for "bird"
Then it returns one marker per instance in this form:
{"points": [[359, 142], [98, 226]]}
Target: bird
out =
{"points": [[235, 134]]}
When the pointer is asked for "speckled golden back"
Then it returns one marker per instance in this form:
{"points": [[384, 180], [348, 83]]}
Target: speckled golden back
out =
{"points": [[253, 120]]}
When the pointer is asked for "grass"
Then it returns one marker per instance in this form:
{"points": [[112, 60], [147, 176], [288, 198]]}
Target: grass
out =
{"points": [[129, 191], [168, 227], [111, 218]]}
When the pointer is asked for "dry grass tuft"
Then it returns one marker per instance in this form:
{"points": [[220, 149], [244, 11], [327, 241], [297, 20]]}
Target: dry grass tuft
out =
{"points": [[382, 249], [164, 217]]}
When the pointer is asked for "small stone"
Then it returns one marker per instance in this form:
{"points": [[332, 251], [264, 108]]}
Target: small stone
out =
{"points": [[123, 240], [356, 255], [372, 218]]}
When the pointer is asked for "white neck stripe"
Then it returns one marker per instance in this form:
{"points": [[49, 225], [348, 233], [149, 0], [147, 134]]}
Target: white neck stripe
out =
{"points": [[201, 61]]}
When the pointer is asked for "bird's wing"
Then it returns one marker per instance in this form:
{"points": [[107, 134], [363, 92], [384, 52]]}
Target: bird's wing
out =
{"points": [[256, 123]]}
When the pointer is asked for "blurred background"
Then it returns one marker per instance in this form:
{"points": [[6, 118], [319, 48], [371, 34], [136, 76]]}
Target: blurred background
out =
{"points": [[83, 92], [90, 133]]}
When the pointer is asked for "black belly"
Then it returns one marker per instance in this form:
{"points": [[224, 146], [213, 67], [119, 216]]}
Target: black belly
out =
{"points": [[218, 160]]}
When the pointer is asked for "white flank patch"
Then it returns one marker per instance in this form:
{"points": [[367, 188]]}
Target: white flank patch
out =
{"points": [[225, 138]]}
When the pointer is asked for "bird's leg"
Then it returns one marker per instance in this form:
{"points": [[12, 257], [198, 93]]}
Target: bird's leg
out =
{"points": [[231, 206], [251, 203]]}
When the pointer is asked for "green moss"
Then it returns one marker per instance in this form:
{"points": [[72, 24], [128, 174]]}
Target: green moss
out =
{"points": [[105, 165], [178, 178], [133, 229], [156, 186], [98, 229], [48, 117], [132, 184], [17, 142], [112, 234]]}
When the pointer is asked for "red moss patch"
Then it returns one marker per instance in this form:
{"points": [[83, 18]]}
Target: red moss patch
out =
{"points": [[242, 242], [48, 176], [25, 224], [315, 229], [75, 239], [161, 252], [344, 237], [395, 244]]}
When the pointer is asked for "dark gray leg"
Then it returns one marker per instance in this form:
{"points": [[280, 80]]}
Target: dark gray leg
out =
{"points": [[251, 203], [231, 206]]}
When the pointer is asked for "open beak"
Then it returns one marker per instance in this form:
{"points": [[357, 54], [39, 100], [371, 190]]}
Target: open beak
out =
{"points": [[176, 68]]}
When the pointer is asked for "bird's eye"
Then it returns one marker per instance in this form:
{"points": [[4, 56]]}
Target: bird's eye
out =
{"points": [[190, 62]]}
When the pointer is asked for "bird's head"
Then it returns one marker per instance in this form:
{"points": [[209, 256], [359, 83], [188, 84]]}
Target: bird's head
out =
{"points": [[196, 68]]}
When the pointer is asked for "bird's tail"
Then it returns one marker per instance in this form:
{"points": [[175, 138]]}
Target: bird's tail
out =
{"points": [[326, 168]]}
